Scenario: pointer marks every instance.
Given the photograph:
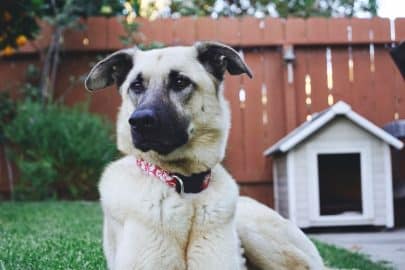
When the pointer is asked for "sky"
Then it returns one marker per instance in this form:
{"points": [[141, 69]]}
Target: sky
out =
{"points": [[391, 8]]}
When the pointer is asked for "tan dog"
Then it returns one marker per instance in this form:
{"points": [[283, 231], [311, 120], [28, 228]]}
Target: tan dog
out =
{"points": [[169, 204]]}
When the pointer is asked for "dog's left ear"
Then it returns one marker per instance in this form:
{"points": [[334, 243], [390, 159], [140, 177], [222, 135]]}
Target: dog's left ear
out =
{"points": [[112, 69], [217, 58]]}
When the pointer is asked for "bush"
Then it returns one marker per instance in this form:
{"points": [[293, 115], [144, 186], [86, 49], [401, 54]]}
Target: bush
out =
{"points": [[59, 151]]}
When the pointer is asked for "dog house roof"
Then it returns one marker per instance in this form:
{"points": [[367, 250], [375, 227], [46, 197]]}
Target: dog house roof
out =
{"points": [[396, 128], [321, 119]]}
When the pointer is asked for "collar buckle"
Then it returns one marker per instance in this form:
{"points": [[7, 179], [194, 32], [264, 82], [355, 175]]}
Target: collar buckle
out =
{"points": [[180, 182]]}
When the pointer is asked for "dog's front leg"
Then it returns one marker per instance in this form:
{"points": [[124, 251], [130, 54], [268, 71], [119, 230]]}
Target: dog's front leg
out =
{"points": [[216, 250], [143, 247], [110, 227]]}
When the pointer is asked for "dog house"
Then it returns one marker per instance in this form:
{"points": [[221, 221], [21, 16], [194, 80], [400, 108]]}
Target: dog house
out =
{"points": [[335, 170]]}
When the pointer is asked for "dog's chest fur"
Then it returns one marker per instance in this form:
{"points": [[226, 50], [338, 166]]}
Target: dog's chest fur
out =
{"points": [[175, 232]]}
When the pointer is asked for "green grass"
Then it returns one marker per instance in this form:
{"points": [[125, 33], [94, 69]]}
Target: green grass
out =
{"points": [[67, 235], [344, 259], [50, 235]]}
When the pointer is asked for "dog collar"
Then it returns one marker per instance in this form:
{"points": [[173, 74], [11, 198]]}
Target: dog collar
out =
{"points": [[194, 183]]}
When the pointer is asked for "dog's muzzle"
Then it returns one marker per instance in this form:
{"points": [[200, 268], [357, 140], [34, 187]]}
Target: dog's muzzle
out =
{"points": [[159, 130]]}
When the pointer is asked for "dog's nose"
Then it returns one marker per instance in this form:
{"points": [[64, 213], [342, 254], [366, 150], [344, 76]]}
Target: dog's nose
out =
{"points": [[144, 120]]}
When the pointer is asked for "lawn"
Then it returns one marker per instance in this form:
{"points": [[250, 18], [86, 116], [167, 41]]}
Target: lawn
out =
{"points": [[67, 235]]}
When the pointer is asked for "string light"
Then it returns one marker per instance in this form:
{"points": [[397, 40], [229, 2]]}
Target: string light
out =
{"points": [[372, 52], [264, 103], [396, 116], [350, 62], [264, 94], [329, 70], [86, 41], [330, 100], [351, 68], [308, 88], [242, 97]]}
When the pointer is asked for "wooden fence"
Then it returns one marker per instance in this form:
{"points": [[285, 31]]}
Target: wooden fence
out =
{"points": [[334, 59]]}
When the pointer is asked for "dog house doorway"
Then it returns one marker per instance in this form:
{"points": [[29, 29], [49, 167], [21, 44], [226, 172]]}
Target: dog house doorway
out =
{"points": [[339, 179], [340, 173]]}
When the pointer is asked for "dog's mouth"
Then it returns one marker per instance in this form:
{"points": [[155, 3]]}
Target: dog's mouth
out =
{"points": [[161, 146]]}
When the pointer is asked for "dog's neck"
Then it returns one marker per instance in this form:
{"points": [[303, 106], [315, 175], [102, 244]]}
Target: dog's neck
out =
{"points": [[194, 183]]}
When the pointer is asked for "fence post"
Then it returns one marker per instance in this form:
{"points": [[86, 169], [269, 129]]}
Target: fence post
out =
{"points": [[289, 89]]}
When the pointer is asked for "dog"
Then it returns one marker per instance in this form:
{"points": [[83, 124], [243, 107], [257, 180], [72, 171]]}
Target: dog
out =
{"points": [[168, 203]]}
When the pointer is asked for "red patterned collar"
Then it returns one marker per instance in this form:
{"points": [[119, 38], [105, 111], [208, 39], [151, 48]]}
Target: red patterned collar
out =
{"points": [[194, 183]]}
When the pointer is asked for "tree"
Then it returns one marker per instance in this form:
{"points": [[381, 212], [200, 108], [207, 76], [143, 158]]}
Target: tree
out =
{"points": [[19, 25], [275, 8]]}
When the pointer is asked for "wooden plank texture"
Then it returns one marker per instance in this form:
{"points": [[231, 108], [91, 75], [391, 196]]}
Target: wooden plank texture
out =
{"points": [[400, 29], [376, 95], [235, 151], [254, 130], [184, 32], [300, 71], [342, 88], [261, 192], [384, 88], [317, 70]]}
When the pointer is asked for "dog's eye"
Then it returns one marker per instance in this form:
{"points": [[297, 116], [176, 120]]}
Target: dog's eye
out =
{"points": [[137, 87], [180, 83]]}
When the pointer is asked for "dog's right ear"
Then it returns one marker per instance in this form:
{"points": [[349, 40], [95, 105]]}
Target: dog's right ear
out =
{"points": [[112, 69]]}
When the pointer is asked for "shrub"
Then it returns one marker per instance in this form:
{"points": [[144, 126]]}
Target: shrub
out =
{"points": [[59, 151]]}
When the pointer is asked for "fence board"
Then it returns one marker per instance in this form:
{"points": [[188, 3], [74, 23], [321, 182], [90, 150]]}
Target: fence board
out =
{"points": [[162, 31], [384, 88], [228, 30], [250, 31], [360, 30], [274, 31], [337, 28], [362, 85], [296, 31], [184, 32], [262, 192], [342, 88], [115, 31], [206, 29], [235, 154], [400, 29], [275, 109], [254, 130], [381, 29], [97, 33], [300, 71], [317, 30], [317, 70], [73, 39], [245, 31], [275, 128]]}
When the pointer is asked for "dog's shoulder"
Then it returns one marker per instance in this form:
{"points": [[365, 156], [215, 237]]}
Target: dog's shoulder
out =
{"points": [[126, 192], [119, 171], [121, 184]]}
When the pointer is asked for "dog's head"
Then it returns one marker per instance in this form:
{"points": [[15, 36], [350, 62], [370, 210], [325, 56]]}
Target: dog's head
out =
{"points": [[173, 111]]}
